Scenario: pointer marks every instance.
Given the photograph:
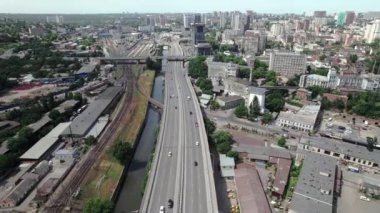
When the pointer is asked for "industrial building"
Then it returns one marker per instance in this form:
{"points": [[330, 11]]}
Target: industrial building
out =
{"points": [[345, 151], [227, 166], [315, 187], [229, 102], [39, 149], [82, 124]]}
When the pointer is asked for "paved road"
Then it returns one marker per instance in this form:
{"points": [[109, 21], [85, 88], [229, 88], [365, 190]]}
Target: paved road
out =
{"points": [[177, 177]]}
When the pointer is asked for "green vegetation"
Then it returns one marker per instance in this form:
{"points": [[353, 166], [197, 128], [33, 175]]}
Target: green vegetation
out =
{"points": [[221, 57], [241, 111], [98, 205], [153, 65], [120, 150], [244, 72], [266, 118], [319, 71], [273, 44], [373, 61], [293, 178], [353, 58], [281, 141], [316, 90], [223, 141], [275, 100], [90, 140], [198, 67], [210, 127], [87, 41], [365, 104], [294, 81], [371, 143], [337, 104], [205, 85], [214, 105], [294, 103], [254, 109]]}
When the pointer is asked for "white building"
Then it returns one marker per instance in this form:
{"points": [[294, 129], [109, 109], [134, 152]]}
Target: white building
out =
{"points": [[287, 64], [187, 20], [227, 166], [277, 29], [372, 31], [234, 86], [235, 21], [303, 120], [231, 70], [329, 81]]}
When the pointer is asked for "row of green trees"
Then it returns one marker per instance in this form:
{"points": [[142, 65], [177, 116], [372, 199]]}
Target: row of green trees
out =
{"points": [[221, 57], [205, 85]]}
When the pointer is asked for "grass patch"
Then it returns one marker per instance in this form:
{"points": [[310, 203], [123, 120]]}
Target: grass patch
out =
{"points": [[103, 179], [292, 182]]}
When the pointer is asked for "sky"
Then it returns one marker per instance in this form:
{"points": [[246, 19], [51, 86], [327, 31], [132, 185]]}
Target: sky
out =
{"points": [[173, 6]]}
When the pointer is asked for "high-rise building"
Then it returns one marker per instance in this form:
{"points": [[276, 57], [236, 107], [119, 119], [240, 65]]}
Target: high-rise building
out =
{"points": [[350, 17], [319, 14], [247, 22], [198, 34], [187, 20], [235, 21], [341, 19], [55, 19], [197, 19], [222, 20], [372, 31], [277, 29], [287, 64]]}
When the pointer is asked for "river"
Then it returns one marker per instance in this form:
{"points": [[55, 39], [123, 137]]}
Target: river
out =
{"points": [[130, 195]]}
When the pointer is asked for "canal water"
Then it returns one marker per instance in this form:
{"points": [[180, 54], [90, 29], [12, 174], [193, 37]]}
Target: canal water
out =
{"points": [[130, 195]]}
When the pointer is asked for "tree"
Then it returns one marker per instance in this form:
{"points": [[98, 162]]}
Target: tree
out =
{"points": [[221, 136], [281, 142], [205, 85], [54, 114], [209, 126], [241, 111], [98, 205], [198, 67], [371, 143], [254, 109], [267, 118], [78, 96], [233, 154], [120, 150], [223, 148], [90, 140], [322, 57], [353, 58], [214, 105]]}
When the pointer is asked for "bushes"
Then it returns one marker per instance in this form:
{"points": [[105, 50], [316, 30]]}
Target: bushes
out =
{"points": [[205, 85], [241, 111], [223, 141], [198, 67], [120, 150], [98, 205]]}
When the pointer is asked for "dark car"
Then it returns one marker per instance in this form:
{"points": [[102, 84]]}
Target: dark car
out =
{"points": [[195, 163], [191, 112], [196, 124], [170, 203]]}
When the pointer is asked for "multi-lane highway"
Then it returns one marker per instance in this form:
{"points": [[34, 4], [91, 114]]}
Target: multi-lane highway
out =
{"points": [[181, 171]]}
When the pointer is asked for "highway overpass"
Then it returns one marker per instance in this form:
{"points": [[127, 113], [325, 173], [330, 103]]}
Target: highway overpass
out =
{"points": [[181, 169]]}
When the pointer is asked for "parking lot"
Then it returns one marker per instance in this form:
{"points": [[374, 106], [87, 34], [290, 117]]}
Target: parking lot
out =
{"points": [[349, 202]]}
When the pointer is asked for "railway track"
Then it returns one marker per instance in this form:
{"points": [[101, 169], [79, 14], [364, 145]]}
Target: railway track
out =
{"points": [[107, 137]]}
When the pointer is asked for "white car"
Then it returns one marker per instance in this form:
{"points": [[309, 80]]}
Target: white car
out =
{"points": [[364, 198], [170, 154], [188, 98], [197, 143], [162, 209]]}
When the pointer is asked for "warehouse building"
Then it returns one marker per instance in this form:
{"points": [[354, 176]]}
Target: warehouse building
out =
{"points": [[315, 187], [304, 120], [82, 124]]}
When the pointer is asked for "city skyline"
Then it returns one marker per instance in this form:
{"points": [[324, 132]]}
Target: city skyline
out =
{"points": [[164, 6]]}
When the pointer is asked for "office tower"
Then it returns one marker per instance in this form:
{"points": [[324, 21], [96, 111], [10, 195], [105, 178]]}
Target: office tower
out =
{"points": [[350, 17], [341, 19], [306, 24], [247, 23], [198, 35], [187, 20], [222, 20], [372, 31], [287, 64], [197, 19], [235, 21]]}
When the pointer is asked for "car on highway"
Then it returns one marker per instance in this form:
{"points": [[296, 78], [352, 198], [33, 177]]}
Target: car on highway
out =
{"points": [[191, 112], [188, 98], [162, 209], [197, 143], [195, 163], [170, 154], [170, 203], [196, 124]]}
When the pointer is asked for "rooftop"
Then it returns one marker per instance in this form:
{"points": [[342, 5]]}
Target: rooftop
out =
{"points": [[250, 191], [315, 186], [87, 68], [230, 98], [45, 143], [226, 161], [282, 174], [84, 121], [353, 150], [307, 114]]}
